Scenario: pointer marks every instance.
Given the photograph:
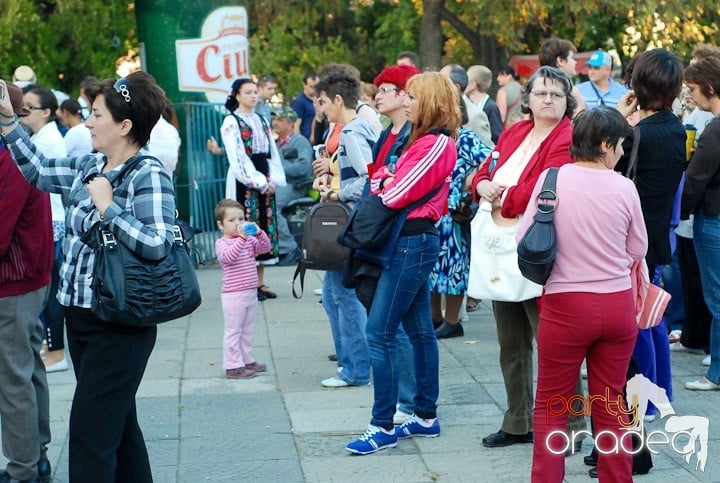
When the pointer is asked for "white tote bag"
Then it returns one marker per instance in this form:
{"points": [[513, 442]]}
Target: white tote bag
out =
{"points": [[494, 272]]}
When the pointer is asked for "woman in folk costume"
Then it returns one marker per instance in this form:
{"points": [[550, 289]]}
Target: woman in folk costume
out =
{"points": [[255, 168]]}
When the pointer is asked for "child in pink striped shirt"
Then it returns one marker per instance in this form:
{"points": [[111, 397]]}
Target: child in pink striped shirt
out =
{"points": [[236, 251]]}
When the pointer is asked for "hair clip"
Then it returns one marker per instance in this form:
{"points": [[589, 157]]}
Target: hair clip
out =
{"points": [[122, 87]]}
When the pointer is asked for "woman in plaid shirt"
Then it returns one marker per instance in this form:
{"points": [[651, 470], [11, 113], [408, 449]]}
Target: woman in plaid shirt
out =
{"points": [[106, 443]]}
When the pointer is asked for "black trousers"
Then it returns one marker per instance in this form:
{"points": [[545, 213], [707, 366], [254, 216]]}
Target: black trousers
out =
{"points": [[697, 321], [106, 443]]}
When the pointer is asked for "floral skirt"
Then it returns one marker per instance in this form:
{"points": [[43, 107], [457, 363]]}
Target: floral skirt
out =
{"points": [[260, 209], [450, 275]]}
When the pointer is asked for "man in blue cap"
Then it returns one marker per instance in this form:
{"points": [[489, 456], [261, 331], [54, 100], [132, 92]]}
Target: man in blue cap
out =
{"points": [[600, 90]]}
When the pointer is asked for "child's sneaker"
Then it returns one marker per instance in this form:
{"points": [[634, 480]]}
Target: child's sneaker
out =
{"points": [[239, 373], [256, 366], [374, 439], [415, 426]]}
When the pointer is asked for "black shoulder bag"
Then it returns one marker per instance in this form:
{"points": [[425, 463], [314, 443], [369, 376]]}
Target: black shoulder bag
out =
{"points": [[131, 291], [538, 246]]}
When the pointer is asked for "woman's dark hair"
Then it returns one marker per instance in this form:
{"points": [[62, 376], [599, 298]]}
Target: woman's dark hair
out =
{"points": [[136, 97], [47, 100], [548, 74], [71, 106], [629, 69], [594, 127], [553, 48], [705, 73], [231, 103], [657, 78], [507, 70]]}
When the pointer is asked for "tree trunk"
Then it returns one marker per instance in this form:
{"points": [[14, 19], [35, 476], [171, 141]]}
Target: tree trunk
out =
{"points": [[486, 48], [431, 38]]}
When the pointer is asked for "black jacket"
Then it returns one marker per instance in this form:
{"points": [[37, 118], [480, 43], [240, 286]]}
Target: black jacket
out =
{"points": [[660, 164], [702, 179]]}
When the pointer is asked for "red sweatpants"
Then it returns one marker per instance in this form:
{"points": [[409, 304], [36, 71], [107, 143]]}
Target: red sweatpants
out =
{"points": [[575, 326]]}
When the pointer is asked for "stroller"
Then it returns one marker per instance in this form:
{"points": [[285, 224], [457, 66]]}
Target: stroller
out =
{"points": [[296, 213]]}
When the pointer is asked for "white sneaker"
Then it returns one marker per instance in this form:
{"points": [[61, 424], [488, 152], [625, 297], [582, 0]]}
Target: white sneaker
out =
{"points": [[318, 291], [706, 361], [400, 417], [58, 366], [334, 382], [702, 384]]}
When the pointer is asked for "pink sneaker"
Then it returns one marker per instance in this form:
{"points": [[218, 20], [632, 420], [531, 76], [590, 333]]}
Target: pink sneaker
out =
{"points": [[239, 373]]}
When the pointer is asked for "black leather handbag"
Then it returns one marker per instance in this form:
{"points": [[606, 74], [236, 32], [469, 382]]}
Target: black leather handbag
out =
{"points": [[538, 246], [132, 291]]}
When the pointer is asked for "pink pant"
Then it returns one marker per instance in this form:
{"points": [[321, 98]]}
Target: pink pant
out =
{"points": [[575, 326], [239, 312]]}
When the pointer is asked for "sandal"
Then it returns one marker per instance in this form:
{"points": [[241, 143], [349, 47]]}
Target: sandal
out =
{"points": [[472, 304], [266, 292], [674, 336]]}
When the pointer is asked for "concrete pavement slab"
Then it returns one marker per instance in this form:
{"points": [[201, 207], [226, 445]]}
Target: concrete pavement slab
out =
{"points": [[282, 426]]}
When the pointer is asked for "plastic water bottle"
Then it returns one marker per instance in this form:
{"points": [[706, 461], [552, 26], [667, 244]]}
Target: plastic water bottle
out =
{"points": [[250, 229], [391, 164]]}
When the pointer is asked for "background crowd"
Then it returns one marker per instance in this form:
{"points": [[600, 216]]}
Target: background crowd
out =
{"points": [[465, 167]]}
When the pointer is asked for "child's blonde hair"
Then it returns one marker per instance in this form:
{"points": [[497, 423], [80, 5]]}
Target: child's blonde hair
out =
{"points": [[223, 206]]}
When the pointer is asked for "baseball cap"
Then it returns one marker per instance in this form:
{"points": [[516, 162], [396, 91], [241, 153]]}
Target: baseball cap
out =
{"points": [[285, 112], [599, 59]]}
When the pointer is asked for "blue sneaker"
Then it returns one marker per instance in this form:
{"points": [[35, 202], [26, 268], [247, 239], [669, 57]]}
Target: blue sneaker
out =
{"points": [[374, 439], [414, 427]]}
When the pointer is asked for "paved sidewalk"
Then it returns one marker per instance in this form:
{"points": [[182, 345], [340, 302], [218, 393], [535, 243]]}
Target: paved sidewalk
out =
{"points": [[282, 426]]}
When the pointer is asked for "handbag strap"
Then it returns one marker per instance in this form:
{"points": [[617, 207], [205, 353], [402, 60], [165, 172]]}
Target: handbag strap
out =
{"points": [[130, 166], [632, 163], [424, 199], [547, 193]]}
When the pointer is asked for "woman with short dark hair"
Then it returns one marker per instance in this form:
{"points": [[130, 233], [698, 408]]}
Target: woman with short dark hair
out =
{"points": [[656, 81], [588, 310], [701, 197], [106, 443]]}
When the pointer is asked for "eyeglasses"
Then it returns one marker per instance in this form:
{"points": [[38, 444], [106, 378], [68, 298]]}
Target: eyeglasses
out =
{"points": [[122, 87], [385, 90], [33, 108], [541, 95]]}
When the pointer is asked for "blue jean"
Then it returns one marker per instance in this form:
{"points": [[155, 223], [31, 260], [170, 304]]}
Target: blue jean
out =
{"points": [[407, 386], [706, 237], [347, 321], [403, 296]]}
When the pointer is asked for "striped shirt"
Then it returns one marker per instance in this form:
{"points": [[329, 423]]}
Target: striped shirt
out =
{"points": [[237, 260], [141, 215]]}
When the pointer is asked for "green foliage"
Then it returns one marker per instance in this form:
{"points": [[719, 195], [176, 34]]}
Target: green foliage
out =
{"points": [[64, 41], [287, 38]]}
